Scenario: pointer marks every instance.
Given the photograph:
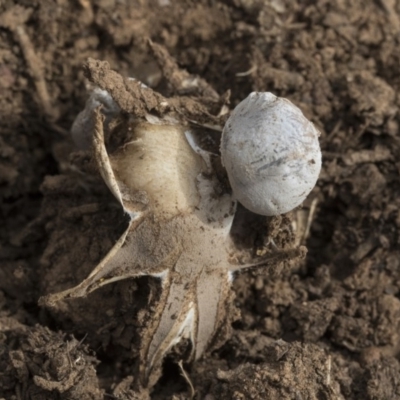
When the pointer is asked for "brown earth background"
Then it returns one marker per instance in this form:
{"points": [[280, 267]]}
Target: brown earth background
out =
{"points": [[326, 327]]}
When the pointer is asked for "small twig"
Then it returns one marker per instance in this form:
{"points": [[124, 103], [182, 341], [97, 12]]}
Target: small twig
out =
{"points": [[35, 70], [69, 357], [110, 396], [82, 340], [248, 72], [273, 258], [187, 379], [14, 20], [216, 128], [310, 218], [329, 366]]}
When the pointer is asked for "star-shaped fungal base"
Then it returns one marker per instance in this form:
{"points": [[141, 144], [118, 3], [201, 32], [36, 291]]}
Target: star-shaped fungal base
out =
{"points": [[179, 232]]}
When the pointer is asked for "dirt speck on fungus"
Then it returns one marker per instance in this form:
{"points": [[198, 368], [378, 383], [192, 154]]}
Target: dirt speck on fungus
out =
{"points": [[321, 325]]}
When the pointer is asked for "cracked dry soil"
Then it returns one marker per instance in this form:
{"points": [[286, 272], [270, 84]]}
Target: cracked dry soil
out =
{"points": [[321, 327]]}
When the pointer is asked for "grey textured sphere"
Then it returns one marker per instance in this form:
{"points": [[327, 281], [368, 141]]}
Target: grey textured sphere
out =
{"points": [[271, 153]]}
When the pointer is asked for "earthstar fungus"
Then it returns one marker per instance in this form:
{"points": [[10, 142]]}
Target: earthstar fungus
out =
{"points": [[180, 219]]}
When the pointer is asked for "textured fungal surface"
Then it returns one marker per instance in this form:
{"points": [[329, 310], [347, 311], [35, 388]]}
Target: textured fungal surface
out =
{"points": [[180, 219], [271, 152]]}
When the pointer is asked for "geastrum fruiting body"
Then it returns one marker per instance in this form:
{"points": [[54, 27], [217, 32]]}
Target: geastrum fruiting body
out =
{"points": [[180, 215]]}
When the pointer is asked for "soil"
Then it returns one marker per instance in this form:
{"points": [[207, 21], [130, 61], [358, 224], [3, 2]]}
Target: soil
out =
{"points": [[321, 327]]}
